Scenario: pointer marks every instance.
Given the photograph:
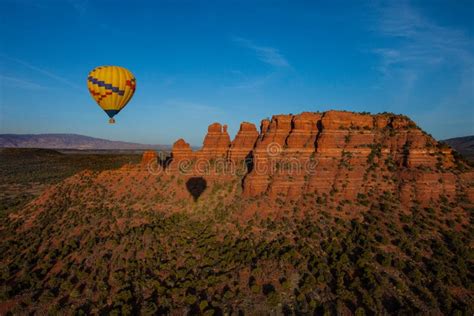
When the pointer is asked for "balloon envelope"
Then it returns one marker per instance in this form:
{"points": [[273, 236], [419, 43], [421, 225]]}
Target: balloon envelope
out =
{"points": [[111, 87]]}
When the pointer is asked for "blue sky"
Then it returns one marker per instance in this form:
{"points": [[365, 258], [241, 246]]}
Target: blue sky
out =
{"points": [[197, 62]]}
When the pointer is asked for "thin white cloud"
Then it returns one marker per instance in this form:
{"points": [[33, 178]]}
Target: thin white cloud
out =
{"points": [[268, 55], [249, 83], [420, 51], [45, 72], [19, 83], [419, 44]]}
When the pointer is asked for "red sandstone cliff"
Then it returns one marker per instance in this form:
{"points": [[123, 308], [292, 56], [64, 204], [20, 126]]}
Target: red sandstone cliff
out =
{"points": [[340, 154], [216, 143], [149, 155], [242, 145], [181, 150], [353, 154]]}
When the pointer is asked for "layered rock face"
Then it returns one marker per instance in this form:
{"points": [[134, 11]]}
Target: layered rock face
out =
{"points": [[181, 150], [346, 155], [216, 143], [148, 156], [281, 153], [242, 145], [335, 154]]}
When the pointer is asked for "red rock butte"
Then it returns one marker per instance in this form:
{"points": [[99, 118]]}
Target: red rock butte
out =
{"points": [[148, 156], [343, 151]]}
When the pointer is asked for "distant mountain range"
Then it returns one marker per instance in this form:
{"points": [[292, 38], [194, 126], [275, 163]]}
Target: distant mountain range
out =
{"points": [[463, 145], [70, 141]]}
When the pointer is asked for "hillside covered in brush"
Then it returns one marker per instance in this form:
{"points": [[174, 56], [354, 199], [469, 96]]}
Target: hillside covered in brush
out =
{"points": [[315, 213]]}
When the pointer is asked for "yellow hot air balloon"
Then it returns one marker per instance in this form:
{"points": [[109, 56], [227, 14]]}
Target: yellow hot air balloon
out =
{"points": [[111, 87]]}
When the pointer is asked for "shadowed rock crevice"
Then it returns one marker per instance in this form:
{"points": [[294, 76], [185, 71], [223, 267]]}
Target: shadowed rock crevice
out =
{"points": [[248, 162], [165, 161]]}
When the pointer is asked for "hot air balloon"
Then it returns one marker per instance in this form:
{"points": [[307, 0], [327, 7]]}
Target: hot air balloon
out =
{"points": [[111, 87]]}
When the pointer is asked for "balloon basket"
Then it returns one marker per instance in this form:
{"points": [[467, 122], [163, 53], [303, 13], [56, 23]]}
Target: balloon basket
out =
{"points": [[111, 121]]}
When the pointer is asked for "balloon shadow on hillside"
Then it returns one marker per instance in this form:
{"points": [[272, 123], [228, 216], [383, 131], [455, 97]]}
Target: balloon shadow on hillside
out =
{"points": [[196, 186]]}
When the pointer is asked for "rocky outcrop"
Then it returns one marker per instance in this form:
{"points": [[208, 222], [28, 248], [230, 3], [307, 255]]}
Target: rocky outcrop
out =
{"points": [[148, 156], [303, 133], [337, 154], [345, 155], [216, 143], [283, 149], [338, 120], [244, 142], [181, 150]]}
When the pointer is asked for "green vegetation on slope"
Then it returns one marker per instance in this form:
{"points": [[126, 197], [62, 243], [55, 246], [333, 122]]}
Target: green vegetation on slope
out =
{"points": [[77, 259], [78, 252], [50, 166], [24, 173]]}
